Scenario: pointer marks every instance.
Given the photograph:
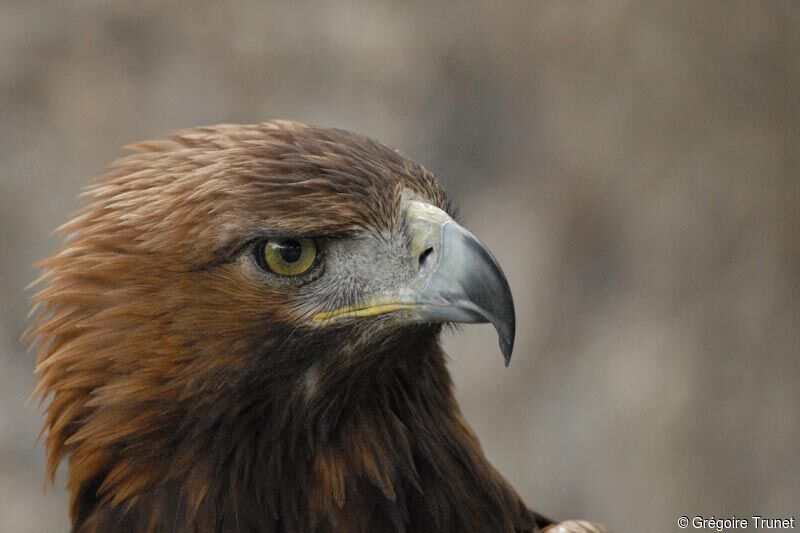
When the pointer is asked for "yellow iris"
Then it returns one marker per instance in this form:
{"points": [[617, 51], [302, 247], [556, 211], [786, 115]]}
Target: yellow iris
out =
{"points": [[290, 257]]}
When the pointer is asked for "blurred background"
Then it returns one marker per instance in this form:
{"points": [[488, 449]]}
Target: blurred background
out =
{"points": [[633, 167]]}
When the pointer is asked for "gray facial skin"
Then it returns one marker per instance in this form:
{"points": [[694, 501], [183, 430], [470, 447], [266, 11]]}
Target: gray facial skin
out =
{"points": [[437, 272]]}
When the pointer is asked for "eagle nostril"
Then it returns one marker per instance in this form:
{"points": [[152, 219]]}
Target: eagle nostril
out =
{"points": [[423, 257]]}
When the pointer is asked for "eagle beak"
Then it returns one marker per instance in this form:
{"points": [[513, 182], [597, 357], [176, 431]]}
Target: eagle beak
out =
{"points": [[462, 281], [455, 278]]}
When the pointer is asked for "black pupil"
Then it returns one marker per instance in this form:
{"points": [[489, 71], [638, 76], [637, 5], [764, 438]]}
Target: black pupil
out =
{"points": [[290, 250]]}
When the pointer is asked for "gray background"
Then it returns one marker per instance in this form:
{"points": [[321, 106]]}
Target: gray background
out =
{"points": [[633, 167]]}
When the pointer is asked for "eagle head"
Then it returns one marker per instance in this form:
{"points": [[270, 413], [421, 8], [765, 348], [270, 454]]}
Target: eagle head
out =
{"points": [[248, 316]]}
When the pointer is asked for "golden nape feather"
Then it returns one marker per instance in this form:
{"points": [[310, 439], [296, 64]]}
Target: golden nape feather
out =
{"points": [[240, 333]]}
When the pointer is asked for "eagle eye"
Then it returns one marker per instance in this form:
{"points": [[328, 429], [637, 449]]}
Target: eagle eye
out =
{"points": [[286, 257]]}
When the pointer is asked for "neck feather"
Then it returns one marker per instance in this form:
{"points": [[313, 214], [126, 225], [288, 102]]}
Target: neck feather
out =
{"points": [[388, 454]]}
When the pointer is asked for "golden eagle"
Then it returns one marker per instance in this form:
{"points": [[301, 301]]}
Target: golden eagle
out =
{"points": [[240, 333]]}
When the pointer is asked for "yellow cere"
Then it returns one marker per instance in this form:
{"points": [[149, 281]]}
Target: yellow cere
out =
{"points": [[361, 311], [425, 220]]}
